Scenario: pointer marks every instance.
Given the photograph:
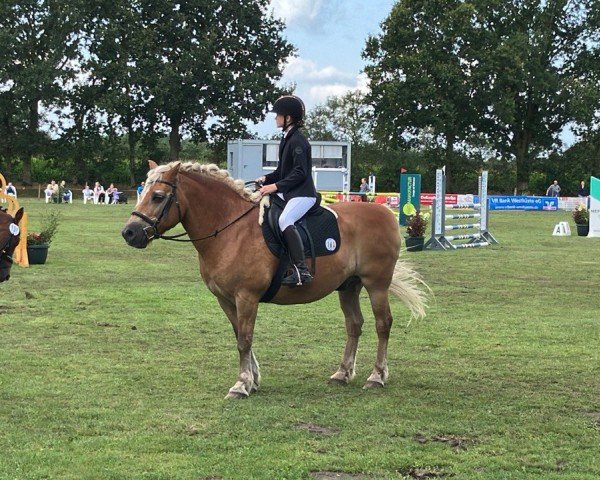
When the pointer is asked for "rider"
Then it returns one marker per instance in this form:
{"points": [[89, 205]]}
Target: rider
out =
{"points": [[292, 180]]}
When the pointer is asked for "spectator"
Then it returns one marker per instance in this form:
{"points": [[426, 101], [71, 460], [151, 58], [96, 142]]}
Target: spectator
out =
{"points": [[110, 191], [51, 192], [553, 190], [583, 192], [88, 193], [98, 192], [66, 195], [363, 189], [11, 190]]}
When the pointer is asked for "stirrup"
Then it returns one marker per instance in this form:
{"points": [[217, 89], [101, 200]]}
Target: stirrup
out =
{"points": [[297, 278]]}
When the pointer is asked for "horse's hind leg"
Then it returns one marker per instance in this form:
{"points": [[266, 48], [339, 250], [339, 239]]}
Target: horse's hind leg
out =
{"points": [[349, 301], [231, 312], [383, 324]]}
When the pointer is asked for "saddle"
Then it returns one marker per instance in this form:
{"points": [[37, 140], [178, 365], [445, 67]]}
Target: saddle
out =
{"points": [[318, 229]]}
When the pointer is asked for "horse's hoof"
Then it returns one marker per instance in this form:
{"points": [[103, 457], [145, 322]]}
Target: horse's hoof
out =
{"points": [[372, 384], [254, 388], [338, 381], [236, 395]]}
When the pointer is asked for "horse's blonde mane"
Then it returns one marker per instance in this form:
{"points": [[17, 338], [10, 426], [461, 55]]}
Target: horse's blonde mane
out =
{"points": [[209, 170]]}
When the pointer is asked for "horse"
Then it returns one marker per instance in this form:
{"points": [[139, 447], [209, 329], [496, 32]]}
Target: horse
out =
{"points": [[10, 236], [221, 217]]}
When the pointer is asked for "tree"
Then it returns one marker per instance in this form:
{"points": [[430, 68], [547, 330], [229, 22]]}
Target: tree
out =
{"points": [[39, 41], [420, 77], [531, 68], [209, 62], [343, 118], [506, 70], [118, 42]]}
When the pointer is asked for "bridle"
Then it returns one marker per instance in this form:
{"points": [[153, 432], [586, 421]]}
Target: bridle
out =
{"points": [[151, 230], [8, 248]]}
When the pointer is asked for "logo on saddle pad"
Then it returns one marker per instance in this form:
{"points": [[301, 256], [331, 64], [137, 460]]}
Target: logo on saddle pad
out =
{"points": [[330, 244]]}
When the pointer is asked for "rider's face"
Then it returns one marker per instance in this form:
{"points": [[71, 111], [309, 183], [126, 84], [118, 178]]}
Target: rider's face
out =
{"points": [[279, 120]]}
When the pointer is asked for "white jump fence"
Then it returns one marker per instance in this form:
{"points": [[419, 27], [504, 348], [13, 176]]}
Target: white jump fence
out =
{"points": [[480, 237]]}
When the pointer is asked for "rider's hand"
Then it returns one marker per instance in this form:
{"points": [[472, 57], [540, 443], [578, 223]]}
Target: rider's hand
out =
{"points": [[266, 189]]}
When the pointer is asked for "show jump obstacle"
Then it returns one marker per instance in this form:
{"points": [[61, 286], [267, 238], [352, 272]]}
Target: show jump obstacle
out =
{"points": [[481, 237]]}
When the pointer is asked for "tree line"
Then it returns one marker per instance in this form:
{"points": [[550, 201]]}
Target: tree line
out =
{"points": [[90, 89], [85, 84]]}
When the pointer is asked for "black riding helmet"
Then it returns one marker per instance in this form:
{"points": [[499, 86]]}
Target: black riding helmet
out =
{"points": [[290, 105]]}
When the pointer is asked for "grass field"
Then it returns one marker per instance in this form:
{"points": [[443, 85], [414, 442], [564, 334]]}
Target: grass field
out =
{"points": [[115, 363]]}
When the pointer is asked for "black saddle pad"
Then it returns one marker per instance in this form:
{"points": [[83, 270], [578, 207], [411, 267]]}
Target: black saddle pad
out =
{"points": [[318, 227]]}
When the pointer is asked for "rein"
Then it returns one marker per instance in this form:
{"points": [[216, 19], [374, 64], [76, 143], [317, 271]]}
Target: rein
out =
{"points": [[152, 231]]}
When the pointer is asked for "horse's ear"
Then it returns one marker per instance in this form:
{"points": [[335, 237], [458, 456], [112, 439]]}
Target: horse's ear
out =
{"points": [[152, 164], [176, 166], [19, 215]]}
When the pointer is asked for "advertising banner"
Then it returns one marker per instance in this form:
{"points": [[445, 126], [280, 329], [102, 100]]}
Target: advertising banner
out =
{"points": [[410, 192], [498, 202], [428, 198], [594, 207]]}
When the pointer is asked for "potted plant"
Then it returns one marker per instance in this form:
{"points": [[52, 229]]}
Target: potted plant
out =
{"points": [[581, 216], [38, 242], [416, 226]]}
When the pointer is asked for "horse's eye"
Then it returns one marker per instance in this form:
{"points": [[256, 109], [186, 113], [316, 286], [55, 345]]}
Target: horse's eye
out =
{"points": [[158, 196]]}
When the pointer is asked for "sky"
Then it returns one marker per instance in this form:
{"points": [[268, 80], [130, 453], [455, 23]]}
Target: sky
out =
{"points": [[329, 36]]}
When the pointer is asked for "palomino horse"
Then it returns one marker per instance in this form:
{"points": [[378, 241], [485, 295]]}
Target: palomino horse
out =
{"points": [[9, 239], [222, 219]]}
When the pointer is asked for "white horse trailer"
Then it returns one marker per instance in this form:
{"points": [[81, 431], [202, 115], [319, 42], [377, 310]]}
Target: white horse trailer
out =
{"points": [[249, 159]]}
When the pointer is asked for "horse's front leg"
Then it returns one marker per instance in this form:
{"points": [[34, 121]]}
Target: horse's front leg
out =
{"points": [[249, 376], [231, 311]]}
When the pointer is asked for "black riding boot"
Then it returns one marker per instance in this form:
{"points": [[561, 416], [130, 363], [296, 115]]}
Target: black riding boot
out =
{"points": [[299, 274]]}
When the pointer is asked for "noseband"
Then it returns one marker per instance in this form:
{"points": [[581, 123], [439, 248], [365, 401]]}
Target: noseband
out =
{"points": [[151, 230]]}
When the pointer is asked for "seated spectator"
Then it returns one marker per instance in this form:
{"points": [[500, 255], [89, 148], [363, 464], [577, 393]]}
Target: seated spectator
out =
{"points": [[51, 192], [98, 193], [109, 193], [11, 190], [88, 193], [115, 197], [66, 195]]}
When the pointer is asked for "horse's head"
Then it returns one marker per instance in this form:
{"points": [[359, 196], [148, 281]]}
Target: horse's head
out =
{"points": [[157, 210], [10, 236]]}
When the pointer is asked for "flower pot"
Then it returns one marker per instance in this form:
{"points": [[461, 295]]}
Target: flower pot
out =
{"points": [[583, 230], [415, 244], [37, 254]]}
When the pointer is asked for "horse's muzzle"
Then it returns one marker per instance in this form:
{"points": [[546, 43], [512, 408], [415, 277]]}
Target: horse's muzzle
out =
{"points": [[135, 235]]}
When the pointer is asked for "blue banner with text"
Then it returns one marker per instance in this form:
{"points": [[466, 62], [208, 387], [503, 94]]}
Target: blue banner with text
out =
{"points": [[498, 202]]}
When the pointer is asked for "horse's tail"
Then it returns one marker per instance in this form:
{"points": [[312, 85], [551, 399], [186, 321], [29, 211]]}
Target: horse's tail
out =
{"points": [[408, 285]]}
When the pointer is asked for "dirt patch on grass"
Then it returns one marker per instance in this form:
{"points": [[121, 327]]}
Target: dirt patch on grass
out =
{"points": [[336, 475], [312, 428], [423, 473], [454, 441]]}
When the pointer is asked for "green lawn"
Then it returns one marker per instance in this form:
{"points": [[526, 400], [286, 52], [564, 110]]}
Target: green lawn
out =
{"points": [[115, 362]]}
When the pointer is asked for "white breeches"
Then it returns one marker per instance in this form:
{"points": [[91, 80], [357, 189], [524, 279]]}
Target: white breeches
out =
{"points": [[294, 210]]}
